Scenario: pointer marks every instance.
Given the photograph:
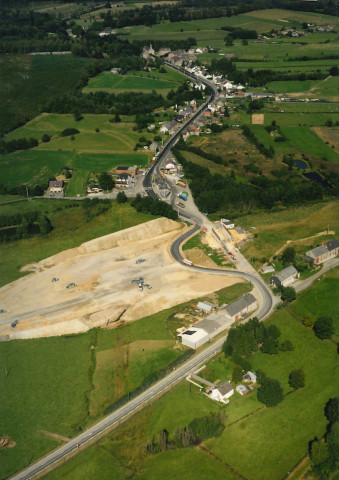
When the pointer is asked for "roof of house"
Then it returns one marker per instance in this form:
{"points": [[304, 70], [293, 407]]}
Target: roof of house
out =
{"points": [[121, 167], [268, 269], [212, 323], [56, 183], [198, 333], [317, 251], [242, 389], [170, 124], [332, 244], [123, 176], [225, 387], [286, 273], [240, 304]]}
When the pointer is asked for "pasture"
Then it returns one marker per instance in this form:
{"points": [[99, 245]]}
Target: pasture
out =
{"points": [[28, 82], [241, 450]]}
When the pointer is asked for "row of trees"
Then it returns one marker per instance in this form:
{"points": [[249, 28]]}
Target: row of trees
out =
{"points": [[26, 228], [154, 207], [18, 144]]}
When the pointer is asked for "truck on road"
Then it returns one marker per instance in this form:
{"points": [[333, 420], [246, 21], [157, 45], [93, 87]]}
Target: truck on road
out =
{"points": [[187, 262], [181, 183], [183, 196]]}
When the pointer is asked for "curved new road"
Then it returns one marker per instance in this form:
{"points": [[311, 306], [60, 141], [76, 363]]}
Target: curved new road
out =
{"points": [[99, 429]]}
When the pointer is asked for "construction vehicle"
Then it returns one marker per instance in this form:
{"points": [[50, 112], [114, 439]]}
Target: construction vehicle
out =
{"points": [[183, 196], [180, 204], [15, 323], [147, 286], [181, 183], [2, 311], [141, 286], [70, 285], [140, 260], [54, 279]]}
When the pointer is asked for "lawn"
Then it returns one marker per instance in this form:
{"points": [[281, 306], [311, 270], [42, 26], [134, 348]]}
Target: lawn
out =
{"points": [[77, 185], [66, 221], [254, 436], [29, 82], [106, 161], [298, 119]]}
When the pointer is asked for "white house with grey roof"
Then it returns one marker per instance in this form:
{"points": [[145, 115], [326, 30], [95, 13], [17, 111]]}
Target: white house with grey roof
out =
{"points": [[240, 307], [285, 277], [324, 252], [222, 392]]}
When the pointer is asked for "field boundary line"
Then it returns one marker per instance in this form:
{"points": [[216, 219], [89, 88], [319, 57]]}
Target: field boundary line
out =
{"points": [[215, 457]]}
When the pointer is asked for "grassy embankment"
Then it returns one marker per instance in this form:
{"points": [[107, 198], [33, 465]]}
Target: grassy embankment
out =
{"points": [[254, 436], [69, 384]]}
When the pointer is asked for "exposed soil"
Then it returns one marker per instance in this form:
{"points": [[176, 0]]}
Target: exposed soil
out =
{"points": [[102, 270], [328, 135], [258, 119]]}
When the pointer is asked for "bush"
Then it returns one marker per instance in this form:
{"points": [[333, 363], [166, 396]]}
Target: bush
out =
{"points": [[308, 321], [286, 346], [323, 327], [296, 379], [121, 197], [46, 138], [270, 393], [288, 294], [68, 132]]}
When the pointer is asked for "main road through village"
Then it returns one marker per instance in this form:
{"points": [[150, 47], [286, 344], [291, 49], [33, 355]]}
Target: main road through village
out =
{"points": [[99, 429]]}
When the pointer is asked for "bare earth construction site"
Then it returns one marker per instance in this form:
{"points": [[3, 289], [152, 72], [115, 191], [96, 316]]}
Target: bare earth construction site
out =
{"points": [[103, 296]]}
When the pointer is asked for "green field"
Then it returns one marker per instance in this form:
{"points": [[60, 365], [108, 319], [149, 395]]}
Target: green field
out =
{"points": [[307, 141], [137, 81], [299, 119], [31, 167], [29, 82], [121, 361], [71, 229], [246, 443]]}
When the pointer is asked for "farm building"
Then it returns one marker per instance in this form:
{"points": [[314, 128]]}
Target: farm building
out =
{"points": [[204, 330], [285, 277], [250, 377], [206, 307], [56, 186], [242, 389], [240, 307], [222, 392], [129, 170], [324, 252], [268, 269]]}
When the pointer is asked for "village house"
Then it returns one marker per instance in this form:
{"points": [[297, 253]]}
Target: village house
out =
{"points": [[94, 189], [242, 389], [171, 166], [123, 180], [168, 127], [222, 392], [324, 252], [115, 70], [285, 277], [55, 186], [240, 307], [154, 147], [250, 377], [106, 32]]}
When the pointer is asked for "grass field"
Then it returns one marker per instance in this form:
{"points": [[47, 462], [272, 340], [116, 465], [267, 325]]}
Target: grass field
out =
{"points": [[307, 141], [28, 82], [246, 443], [298, 119], [275, 228], [71, 229], [58, 403], [31, 167], [137, 81]]}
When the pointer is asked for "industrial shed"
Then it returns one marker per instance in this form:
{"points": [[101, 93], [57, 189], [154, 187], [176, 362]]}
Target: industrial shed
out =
{"points": [[205, 330], [240, 307]]}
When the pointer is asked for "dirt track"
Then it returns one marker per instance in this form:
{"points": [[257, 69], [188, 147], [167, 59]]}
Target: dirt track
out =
{"points": [[102, 269]]}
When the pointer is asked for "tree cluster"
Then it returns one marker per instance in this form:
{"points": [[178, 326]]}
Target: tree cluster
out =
{"points": [[27, 225], [154, 207], [323, 327], [18, 144]]}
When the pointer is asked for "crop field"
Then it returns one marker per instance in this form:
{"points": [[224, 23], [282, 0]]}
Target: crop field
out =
{"points": [[70, 229], [28, 82], [120, 362], [304, 107], [241, 450], [31, 167], [299, 119], [275, 228], [107, 161], [136, 81]]}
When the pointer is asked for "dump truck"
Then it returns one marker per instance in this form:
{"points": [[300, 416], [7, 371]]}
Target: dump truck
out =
{"points": [[183, 196]]}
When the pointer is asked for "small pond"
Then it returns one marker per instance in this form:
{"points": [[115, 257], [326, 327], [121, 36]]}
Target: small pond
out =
{"points": [[300, 164]]}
